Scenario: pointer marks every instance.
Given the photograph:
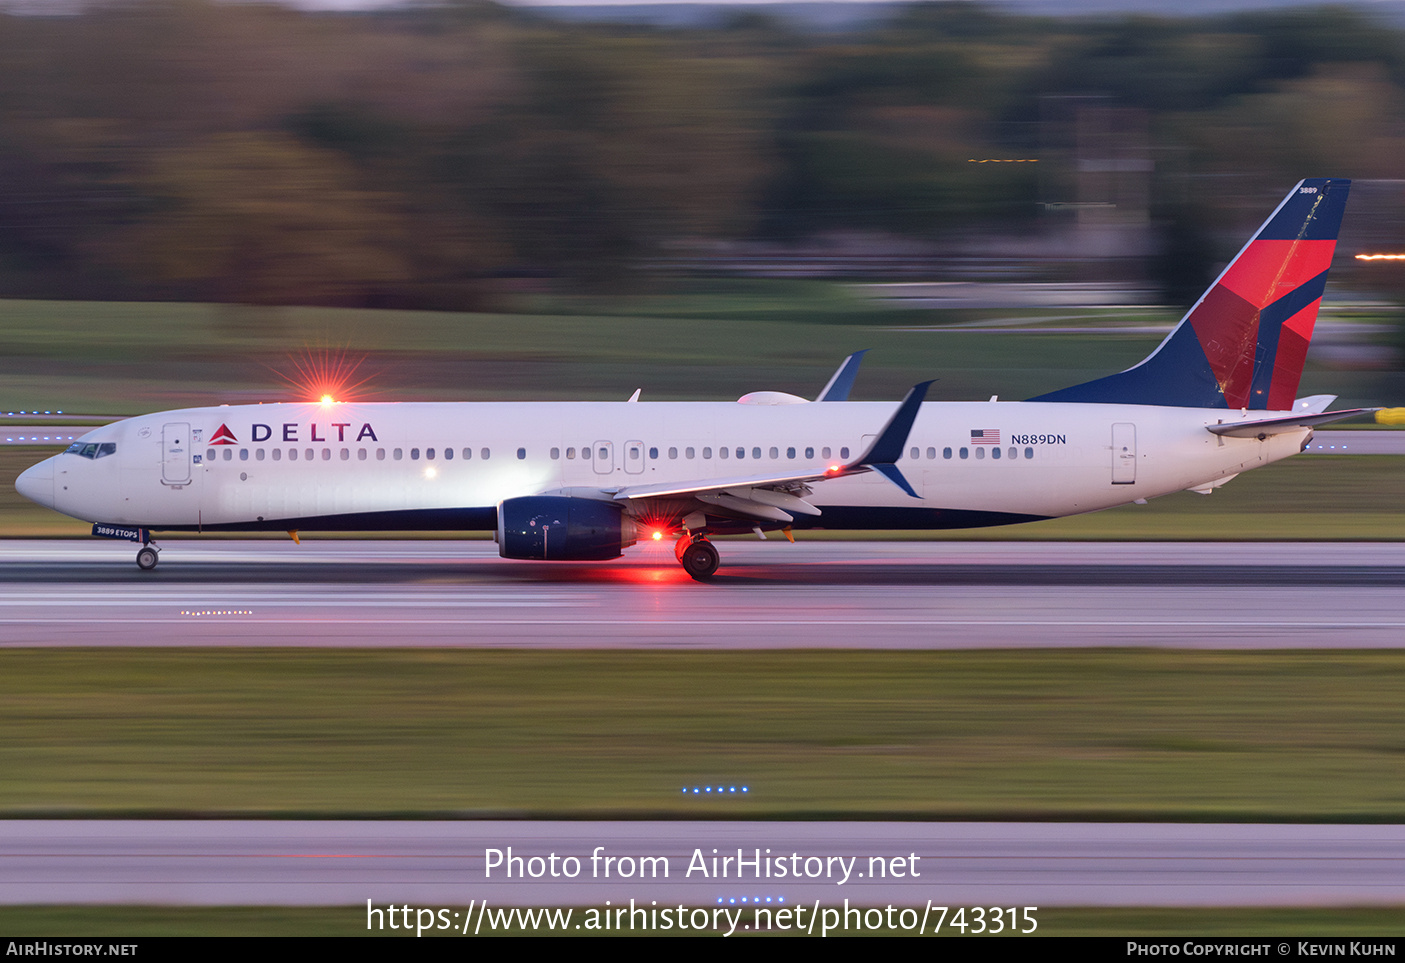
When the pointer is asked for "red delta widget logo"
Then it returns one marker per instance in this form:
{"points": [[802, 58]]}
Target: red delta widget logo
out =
{"points": [[292, 431]]}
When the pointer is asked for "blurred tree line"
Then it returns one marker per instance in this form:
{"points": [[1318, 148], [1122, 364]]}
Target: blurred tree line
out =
{"points": [[255, 154]]}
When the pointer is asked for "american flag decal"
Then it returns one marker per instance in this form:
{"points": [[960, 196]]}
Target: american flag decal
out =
{"points": [[985, 436]]}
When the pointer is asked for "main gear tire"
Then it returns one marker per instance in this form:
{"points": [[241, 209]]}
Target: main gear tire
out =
{"points": [[700, 560]]}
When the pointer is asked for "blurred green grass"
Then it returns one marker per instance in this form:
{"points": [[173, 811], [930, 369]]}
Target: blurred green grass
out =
{"points": [[705, 341], [1071, 734]]}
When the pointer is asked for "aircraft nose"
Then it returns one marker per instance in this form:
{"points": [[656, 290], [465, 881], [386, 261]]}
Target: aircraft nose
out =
{"points": [[37, 483]]}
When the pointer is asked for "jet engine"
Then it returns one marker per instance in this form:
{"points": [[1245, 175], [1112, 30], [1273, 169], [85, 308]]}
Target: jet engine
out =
{"points": [[562, 528]]}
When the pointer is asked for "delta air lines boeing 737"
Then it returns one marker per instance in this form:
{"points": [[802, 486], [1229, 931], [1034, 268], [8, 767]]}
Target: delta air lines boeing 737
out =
{"points": [[584, 481]]}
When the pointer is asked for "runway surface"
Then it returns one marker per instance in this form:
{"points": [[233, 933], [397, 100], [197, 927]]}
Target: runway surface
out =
{"points": [[1357, 443], [444, 864], [767, 595]]}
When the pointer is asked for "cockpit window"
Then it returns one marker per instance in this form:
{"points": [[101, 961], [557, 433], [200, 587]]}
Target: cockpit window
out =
{"points": [[92, 449]]}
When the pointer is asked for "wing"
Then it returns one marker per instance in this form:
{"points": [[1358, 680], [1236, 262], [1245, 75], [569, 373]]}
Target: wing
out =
{"points": [[776, 497]]}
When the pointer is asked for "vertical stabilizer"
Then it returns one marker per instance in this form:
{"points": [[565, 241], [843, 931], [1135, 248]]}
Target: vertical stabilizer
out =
{"points": [[1244, 343]]}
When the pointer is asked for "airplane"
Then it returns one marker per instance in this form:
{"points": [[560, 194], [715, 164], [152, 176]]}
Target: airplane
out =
{"points": [[583, 481]]}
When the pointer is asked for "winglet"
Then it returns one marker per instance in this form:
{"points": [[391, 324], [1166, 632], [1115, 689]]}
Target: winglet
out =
{"points": [[843, 380], [888, 447]]}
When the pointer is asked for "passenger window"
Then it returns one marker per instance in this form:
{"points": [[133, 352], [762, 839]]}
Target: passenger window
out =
{"points": [[1029, 452], [980, 452], [707, 452], [756, 453], [398, 454], [308, 454], [243, 454], [229, 454], [653, 453], [790, 453], [429, 454], [824, 453], [555, 453], [723, 453], [687, 453], [485, 453], [292, 454], [209, 454], [741, 452], [360, 454], [931, 453], [414, 454], [570, 454], [448, 454], [995, 453], [602, 454], [380, 454], [277, 454], [915, 453], [946, 452], [467, 454], [965, 452], [1014, 453], [673, 453], [775, 453], [809, 453], [844, 452], [346, 454], [326, 454], [258, 455]]}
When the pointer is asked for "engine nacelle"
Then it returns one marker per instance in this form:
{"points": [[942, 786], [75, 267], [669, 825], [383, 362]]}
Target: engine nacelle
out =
{"points": [[562, 528]]}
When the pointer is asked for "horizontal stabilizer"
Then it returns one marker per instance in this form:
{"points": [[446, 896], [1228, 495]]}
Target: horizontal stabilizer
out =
{"points": [[1313, 404], [1275, 426]]}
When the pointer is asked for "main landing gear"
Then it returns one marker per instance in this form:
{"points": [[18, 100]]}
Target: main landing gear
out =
{"points": [[698, 556], [148, 556]]}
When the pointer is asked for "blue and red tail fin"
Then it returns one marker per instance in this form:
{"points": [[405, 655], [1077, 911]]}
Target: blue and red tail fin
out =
{"points": [[1244, 343]]}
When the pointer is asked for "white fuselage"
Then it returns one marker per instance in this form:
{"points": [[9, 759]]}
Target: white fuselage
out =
{"points": [[285, 465]]}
